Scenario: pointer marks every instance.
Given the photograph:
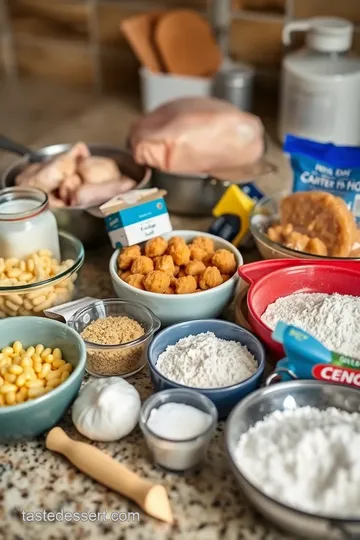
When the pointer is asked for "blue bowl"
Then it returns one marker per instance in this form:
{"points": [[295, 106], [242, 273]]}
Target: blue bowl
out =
{"points": [[224, 398], [32, 418]]}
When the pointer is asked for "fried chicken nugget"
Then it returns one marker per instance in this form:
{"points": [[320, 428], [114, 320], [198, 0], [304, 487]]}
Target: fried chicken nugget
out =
{"points": [[225, 261], [185, 285], [165, 263], [194, 268], [210, 278], [181, 273], [180, 253], [170, 290], [142, 265], [124, 275], [197, 253], [136, 280], [156, 247], [225, 277], [205, 243], [176, 240], [207, 260], [157, 282], [127, 256], [176, 270]]}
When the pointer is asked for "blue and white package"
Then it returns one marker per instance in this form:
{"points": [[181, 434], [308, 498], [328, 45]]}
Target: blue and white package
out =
{"points": [[326, 167]]}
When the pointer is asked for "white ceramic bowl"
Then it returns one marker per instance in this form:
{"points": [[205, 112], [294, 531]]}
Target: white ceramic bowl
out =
{"points": [[176, 308]]}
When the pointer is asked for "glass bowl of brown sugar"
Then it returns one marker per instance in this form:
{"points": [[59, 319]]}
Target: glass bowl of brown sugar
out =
{"points": [[116, 334]]}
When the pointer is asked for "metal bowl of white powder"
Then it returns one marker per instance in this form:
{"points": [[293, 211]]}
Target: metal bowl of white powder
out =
{"points": [[294, 450]]}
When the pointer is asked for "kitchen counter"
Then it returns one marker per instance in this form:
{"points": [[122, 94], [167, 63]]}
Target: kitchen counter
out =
{"points": [[207, 505]]}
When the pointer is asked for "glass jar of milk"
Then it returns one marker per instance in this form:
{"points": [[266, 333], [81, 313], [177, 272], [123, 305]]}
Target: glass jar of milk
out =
{"points": [[26, 223]]}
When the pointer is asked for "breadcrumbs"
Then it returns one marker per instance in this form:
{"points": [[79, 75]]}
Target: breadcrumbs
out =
{"points": [[114, 331]]}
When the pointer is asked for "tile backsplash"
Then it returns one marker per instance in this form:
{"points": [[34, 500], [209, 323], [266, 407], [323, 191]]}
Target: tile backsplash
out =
{"points": [[78, 42]]}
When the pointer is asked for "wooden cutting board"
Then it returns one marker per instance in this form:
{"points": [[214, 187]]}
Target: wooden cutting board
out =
{"points": [[139, 32], [186, 44]]}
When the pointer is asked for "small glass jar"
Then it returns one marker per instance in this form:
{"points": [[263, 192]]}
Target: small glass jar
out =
{"points": [[122, 359], [178, 455], [26, 223]]}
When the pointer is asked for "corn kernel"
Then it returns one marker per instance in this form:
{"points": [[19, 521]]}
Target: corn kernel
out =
{"points": [[2, 400], [10, 398], [53, 383], [67, 367], [45, 352], [17, 347], [39, 348], [15, 369], [36, 358], [26, 362], [1, 381], [36, 392], [7, 387], [16, 359], [58, 362], [21, 380], [49, 359], [57, 353], [45, 370], [37, 367], [10, 377], [54, 374], [30, 351], [35, 384], [7, 350], [3, 370], [65, 376]]}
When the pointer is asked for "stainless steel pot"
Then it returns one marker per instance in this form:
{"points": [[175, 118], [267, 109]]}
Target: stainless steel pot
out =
{"points": [[197, 194], [81, 223], [280, 397]]}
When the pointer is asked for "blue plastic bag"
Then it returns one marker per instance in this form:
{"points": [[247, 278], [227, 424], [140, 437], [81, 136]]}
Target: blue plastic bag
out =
{"points": [[326, 167]]}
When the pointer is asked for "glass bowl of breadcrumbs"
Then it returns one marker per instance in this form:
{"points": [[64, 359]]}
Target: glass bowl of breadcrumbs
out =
{"points": [[116, 334]]}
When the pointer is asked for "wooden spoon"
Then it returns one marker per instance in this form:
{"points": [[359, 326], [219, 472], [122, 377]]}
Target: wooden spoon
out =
{"points": [[139, 31], [186, 44], [152, 498]]}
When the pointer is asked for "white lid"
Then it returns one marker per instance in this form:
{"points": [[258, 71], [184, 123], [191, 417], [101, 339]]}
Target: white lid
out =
{"points": [[329, 34]]}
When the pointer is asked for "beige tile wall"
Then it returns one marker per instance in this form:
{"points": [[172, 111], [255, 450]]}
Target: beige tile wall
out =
{"points": [[78, 42]]}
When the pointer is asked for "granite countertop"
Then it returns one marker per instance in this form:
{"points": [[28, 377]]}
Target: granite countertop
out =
{"points": [[208, 505]]}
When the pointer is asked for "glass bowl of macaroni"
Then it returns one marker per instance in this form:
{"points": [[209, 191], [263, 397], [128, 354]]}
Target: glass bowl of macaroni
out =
{"points": [[39, 282]]}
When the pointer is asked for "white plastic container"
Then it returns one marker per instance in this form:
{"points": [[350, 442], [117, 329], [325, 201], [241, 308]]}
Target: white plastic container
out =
{"points": [[320, 93], [158, 88], [26, 223]]}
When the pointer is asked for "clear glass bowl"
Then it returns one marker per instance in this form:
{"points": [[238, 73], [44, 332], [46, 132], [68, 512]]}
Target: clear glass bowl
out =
{"points": [[34, 298], [267, 213], [123, 359], [178, 455]]}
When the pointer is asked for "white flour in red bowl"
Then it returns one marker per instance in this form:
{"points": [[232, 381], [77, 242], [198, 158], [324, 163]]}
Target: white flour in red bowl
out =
{"points": [[333, 319]]}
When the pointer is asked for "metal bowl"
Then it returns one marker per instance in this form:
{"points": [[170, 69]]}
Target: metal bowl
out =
{"points": [[267, 213], [281, 397], [89, 228]]}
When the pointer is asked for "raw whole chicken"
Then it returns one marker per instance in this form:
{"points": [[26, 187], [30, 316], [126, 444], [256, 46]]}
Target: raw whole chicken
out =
{"points": [[197, 135], [75, 178]]}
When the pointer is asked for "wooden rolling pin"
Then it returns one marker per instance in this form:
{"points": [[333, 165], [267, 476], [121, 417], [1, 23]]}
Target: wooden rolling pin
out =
{"points": [[152, 498]]}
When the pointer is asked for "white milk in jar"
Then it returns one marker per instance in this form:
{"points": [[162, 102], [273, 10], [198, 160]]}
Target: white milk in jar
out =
{"points": [[26, 223]]}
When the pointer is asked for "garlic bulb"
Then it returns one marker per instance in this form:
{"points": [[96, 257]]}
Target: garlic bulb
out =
{"points": [[106, 409]]}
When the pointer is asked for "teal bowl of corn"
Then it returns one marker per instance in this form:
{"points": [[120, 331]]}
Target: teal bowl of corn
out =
{"points": [[42, 364]]}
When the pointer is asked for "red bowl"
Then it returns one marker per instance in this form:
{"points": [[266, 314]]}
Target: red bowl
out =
{"points": [[272, 279]]}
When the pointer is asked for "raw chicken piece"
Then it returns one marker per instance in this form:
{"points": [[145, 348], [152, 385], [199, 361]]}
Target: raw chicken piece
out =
{"points": [[89, 195], [96, 170], [55, 202], [49, 175], [68, 187]]}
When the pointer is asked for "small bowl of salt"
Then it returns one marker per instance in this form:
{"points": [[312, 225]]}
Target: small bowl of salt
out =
{"points": [[178, 426]]}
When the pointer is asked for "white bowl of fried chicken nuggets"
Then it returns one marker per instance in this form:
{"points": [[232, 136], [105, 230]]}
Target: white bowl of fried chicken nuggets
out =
{"points": [[180, 276]]}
